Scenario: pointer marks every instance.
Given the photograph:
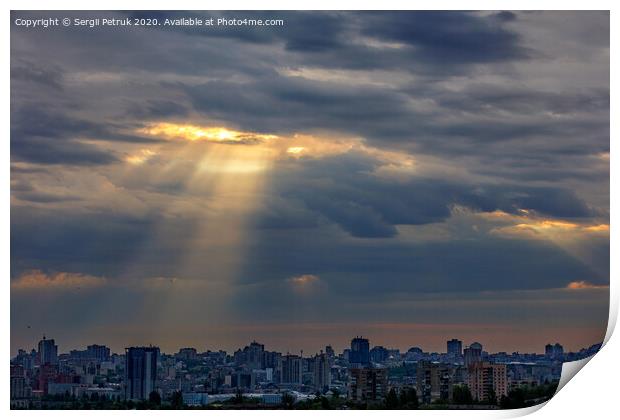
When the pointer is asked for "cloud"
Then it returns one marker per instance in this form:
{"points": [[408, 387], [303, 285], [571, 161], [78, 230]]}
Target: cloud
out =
{"points": [[38, 280], [448, 38], [425, 41], [43, 197], [584, 285], [400, 138], [53, 137], [27, 71], [157, 109], [190, 132], [303, 279], [371, 206]]}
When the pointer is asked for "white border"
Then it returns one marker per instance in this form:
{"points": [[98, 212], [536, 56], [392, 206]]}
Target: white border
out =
{"points": [[592, 395]]}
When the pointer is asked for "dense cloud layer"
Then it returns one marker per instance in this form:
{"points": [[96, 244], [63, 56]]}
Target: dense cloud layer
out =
{"points": [[362, 158]]}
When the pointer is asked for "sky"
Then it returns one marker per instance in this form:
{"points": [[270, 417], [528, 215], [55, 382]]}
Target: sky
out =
{"points": [[406, 176]]}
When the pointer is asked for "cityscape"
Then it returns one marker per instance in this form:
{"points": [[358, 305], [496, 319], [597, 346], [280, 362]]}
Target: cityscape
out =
{"points": [[359, 377], [306, 209]]}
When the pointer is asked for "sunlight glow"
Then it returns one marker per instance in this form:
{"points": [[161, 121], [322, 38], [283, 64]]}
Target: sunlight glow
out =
{"points": [[581, 285], [141, 157], [196, 133], [295, 150]]}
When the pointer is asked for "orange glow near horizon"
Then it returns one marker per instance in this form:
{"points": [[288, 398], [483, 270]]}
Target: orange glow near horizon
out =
{"points": [[583, 285]]}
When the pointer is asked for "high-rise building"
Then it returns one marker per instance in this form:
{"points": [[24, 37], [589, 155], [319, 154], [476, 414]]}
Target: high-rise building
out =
{"points": [[455, 348], [379, 354], [47, 373], [476, 345], [48, 352], [272, 359], [98, 352], [554, 351], [485, 379], [359, 356], [252, 356], [140, 372], [367, 384], [329, 350], [322, 372], [19, 387], [187, 353], [291, 370], [472, 354], [434, 381]]}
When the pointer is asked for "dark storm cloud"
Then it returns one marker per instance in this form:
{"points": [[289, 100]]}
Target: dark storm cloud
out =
{"points": [[447, 38], [98, 243], [279, 104], [505, 16], [307, 32], [26, 71], [495, 113], [264, 100], [43, 197], [367, 270], [47, 136], [432, 42], [368, 206], [50, 150], [155, 109], [522, 100], [386, 116]]}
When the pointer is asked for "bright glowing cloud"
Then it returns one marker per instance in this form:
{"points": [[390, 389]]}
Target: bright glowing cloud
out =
{"points": [[141, 157], [36, 279], [274, 146], [295, 150], [580, 285], [306, 284], [172, 131], [526, 223], [598, 228], [304, 279]]}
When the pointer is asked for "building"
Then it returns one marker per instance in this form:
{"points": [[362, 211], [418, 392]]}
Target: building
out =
{"points": [[476, 345], [455, 348], [252, 356], [330, 351], [48, 352], [140, 372], [322, 372], [485, 379], [434, 381], [359, 356], [414, 354], [472, 354], [98, 352], [554, 351], [19, 388], [367, 384], [379, 354], [26, 359], [195, 399], [291, 369], [91, 391], [47, 373], [187, 353]]}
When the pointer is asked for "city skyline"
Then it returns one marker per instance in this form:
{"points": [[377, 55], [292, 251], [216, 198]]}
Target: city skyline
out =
{"points": [[65, 349], [408, 176], [254, 376]]}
